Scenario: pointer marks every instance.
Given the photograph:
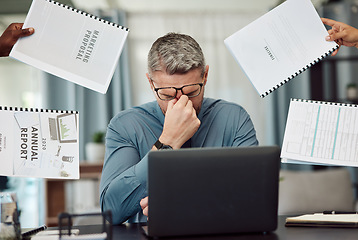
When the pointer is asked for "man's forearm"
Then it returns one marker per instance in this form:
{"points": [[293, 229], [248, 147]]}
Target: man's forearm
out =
{"points": [[123, 194]]}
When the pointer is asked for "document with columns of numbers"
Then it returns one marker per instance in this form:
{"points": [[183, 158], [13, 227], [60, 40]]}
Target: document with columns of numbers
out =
{"points": [[71, 44], [321, 133]]}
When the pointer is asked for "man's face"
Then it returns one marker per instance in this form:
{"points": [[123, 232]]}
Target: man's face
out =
{"points": [[161, 79]]}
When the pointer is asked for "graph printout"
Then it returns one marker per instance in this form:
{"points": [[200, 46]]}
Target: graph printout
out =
{"points": [[321, 133], [39, 143]]}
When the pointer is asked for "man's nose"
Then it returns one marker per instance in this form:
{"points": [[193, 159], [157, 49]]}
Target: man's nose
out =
{"points": [[179, 94]]}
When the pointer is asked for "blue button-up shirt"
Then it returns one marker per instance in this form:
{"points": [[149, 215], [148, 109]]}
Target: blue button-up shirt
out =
{"points": [[131, 135]]}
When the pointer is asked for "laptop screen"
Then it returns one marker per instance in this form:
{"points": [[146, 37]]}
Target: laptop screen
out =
{"points": [[213, 190]]}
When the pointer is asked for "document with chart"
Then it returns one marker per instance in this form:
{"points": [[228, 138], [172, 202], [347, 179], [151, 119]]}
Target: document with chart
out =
{"points": [[39, 143], [321, 133]]}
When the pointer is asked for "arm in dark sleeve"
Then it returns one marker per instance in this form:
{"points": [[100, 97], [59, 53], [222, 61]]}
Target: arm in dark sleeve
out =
{"points": [[124, 176]]}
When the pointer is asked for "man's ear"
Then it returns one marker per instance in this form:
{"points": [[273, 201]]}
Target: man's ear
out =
{"points": [[150, 81], [206, 74]]}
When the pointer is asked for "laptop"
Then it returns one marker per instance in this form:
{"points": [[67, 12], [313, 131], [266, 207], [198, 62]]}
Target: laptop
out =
{"points": [[204, 191]]}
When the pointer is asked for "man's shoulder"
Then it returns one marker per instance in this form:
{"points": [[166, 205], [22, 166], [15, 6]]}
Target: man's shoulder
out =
{"points": [[220, 104], [136, 112]]}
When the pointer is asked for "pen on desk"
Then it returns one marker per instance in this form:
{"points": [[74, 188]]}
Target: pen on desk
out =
{"points": [[28, 234], [338, 212]]}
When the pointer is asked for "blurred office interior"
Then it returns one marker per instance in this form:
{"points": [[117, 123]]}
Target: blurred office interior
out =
{"points": [[209, 22]]}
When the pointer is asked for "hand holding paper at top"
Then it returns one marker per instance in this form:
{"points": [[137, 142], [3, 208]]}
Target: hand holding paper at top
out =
{"points": [[71, 44], [10, 36], [341, 33], [280, 45]]}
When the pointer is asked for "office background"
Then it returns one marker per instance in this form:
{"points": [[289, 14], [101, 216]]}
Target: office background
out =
{"points": [[209, 22]]}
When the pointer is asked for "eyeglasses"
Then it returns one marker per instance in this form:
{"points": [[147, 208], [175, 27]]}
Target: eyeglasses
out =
{"points": [[169, 93]]}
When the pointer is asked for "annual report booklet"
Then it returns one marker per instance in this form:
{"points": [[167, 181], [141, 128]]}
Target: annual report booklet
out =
{"points": [[71, 44], [323, 220], [281, 44], [321, 133], [39, 143]]}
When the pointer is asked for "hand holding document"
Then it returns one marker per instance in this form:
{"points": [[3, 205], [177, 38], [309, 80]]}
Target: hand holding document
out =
{"points": [[280, 45], [71, 44], [10, 36]]}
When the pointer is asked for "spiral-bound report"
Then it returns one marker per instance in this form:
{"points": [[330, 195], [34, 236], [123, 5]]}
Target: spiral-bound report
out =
{"points": [[71, 44], [35, 142], [321, 133], [280, 45]]}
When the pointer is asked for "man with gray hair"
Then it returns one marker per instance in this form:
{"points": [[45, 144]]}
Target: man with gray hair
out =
{"points": [[180, 117]]}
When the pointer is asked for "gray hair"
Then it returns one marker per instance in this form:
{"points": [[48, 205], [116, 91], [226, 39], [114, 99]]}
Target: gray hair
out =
{"points": [[175, 53]]}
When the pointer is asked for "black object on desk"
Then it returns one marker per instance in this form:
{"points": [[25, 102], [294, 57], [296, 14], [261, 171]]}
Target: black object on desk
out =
{"points": [[65, 221], [338, 212], [29, 234]]}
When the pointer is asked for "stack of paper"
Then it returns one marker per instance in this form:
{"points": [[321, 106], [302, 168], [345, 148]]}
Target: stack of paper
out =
{"points": [[324, 220]]}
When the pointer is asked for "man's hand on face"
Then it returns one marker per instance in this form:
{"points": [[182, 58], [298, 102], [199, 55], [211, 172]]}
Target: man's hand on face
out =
{"points": [[180, 123]]}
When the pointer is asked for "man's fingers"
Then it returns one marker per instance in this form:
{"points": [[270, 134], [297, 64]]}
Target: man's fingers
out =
{"points": [[190, 109], [145, 211], [189, 104], [171, 104], [144, 202], [144, 205], [182, 101]]}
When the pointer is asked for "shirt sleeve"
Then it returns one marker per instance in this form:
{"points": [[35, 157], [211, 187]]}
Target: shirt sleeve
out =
{"points": [[245, 132], [124, 176]]}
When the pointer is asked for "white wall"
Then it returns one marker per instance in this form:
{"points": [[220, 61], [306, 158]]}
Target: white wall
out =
{"points": [[19, 83], [146, 6]]}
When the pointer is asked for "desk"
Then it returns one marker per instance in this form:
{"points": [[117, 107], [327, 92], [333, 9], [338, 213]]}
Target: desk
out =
{"points": [[134, 232]]}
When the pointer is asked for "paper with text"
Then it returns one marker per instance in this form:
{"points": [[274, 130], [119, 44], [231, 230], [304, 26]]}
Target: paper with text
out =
{"points": [[321, 133], [280, 45], [39, 143], [71, 44]]}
